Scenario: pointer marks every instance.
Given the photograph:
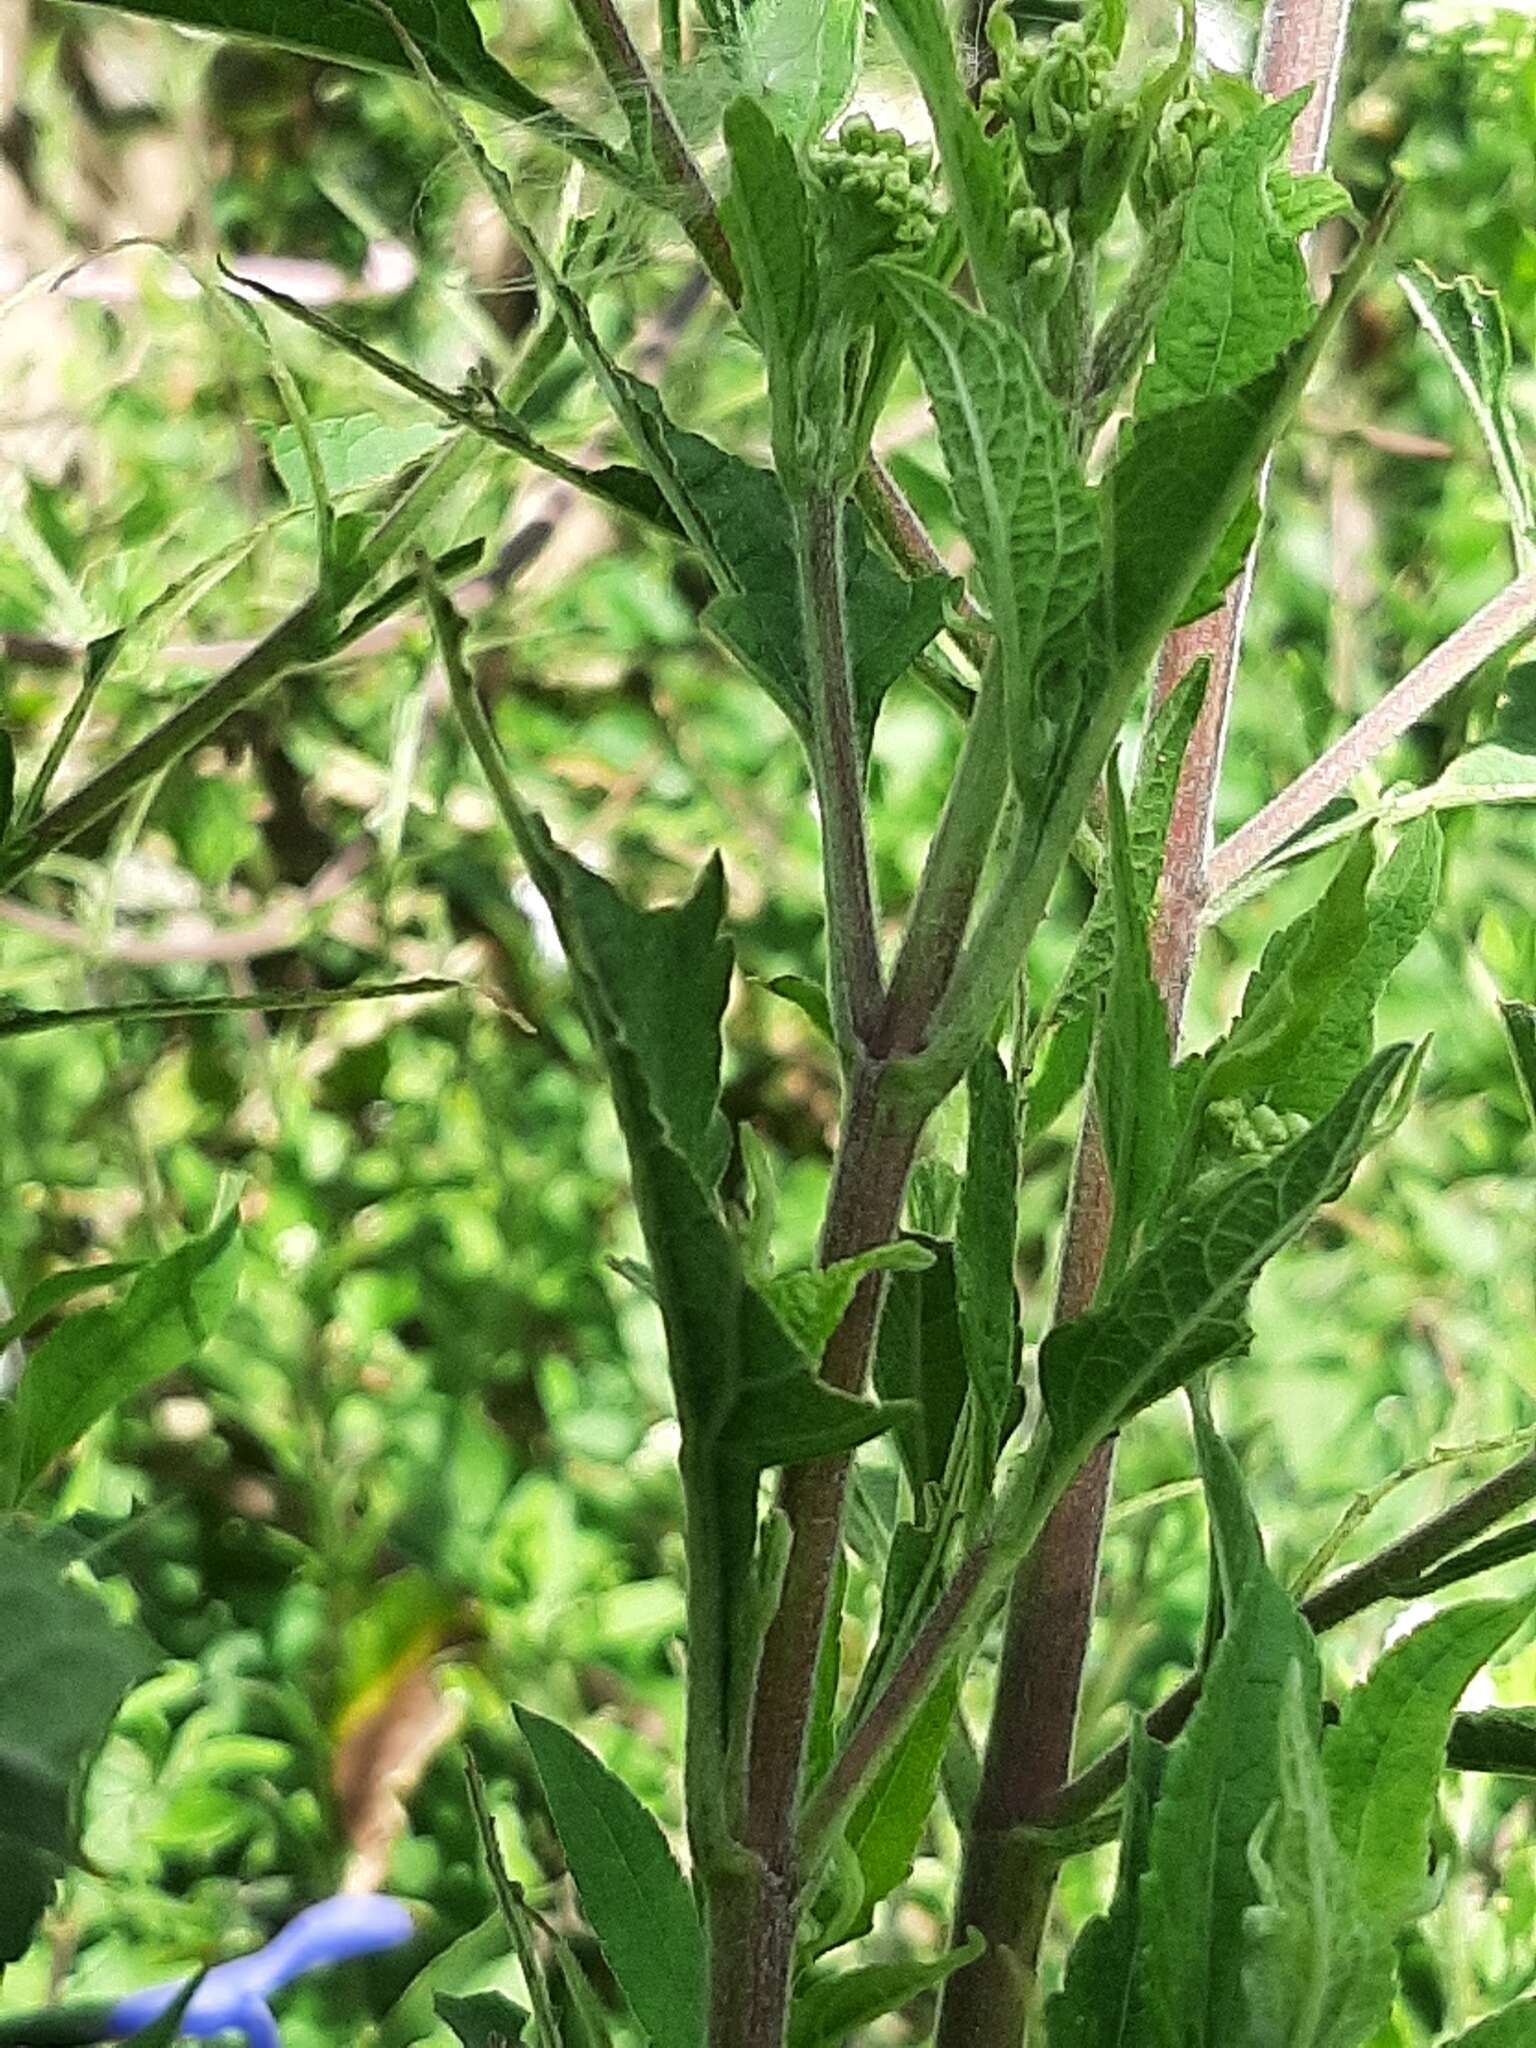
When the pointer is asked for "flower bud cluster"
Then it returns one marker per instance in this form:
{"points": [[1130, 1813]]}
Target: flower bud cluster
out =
{"points": [[880, 189], [1254, 1130], [1189, 128]]}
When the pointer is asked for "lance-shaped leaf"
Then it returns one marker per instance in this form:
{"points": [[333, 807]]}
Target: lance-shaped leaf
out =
{"points": [[1098, 2003], [986, 1242], [920, 1359], [885, 1828], [1514, 2027], [1220, 1783], [64, 1668], [1305, 1024], [767, 217], [1520, 1025], [634, 1895], [1317, 1971], [94, 1360], [1384, 1758], [1465, 320], [832, 2007], [1022, 501], [1182, 1303], [357, 32], [483, 2019], [1132, 1074]]}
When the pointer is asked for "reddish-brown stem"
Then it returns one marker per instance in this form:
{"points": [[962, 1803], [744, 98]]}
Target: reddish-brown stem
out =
{"points": [[1009, 1877]]}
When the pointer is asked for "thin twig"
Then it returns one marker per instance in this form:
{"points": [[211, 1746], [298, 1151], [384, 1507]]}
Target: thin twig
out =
{"points": [[1502, 621]]}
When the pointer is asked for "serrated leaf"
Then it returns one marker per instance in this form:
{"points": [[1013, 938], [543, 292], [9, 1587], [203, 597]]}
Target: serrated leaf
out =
{"points": [[920, 1359], [986, 1244], [1221, 1780], [1307, 1012], [1384, 1757], [1023, 504], [811, 1301], [1317, 1973], [98, 1358], [1182, 1303], [766, 215], [1132, 1073], [830, 2007], [800, 58], [1465, 320], [483, 2019], [635, 1897], [1097, 2005], [64, 1668], [1520, 1025]]}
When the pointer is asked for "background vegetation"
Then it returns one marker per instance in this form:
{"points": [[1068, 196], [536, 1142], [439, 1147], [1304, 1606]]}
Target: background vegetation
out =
{"points": [[425, 1466]]}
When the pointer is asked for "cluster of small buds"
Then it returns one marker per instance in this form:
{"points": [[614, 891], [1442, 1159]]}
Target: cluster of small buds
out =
{"points": [[1189, 128], [1042, 250], [880, 185], [1253, 1129], [1058, 100]]}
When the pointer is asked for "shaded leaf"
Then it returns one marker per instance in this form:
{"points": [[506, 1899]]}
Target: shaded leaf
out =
{"points": [[830, 2007], [793, 1418], [1496, 1739], [1384, 1757], [633, 1894], [1183, 1302], [484, 2019], [986, 1243], [1520, 1024], [920, 1358]]}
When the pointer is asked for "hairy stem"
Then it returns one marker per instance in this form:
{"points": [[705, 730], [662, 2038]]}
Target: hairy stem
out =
{"points": [[1009, 1879]]}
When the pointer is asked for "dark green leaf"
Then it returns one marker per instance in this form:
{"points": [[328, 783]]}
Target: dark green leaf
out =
{"points": [[1236, 1540], [767, 217], [1317, 1973], [166, 2030], [96, 1359], [356, 32], [482, 2020], [986, 1243], [56, 1292], [1183, 1302], [793, 1418], [920, 1358], [1023, 504], [7, 782], [1501, 1740], [1384, 1758], [64, 1668], [810, 997], [632, 1891], [830, 2007], [1097, 2006], [1520, 1024], [1222, 569]]}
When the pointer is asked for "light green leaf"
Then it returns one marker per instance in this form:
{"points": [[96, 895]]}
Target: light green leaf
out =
{"points": [[811, 1301], [98, 1358], [1307, 1012], [1098, 2003], [64, 1668], [1221, 1780], [887, 1825], [986, 1243], [800, 59], [357, 32], [1031, 519], [1465, 320], [1132, 1074], [57, 1291], [483, 2019], [1317, 1972], [1520, 1025], [354, 449], [1514, 2027], [633, 1894], [1384, 1758], [831, 2006], [1182, 1303]]}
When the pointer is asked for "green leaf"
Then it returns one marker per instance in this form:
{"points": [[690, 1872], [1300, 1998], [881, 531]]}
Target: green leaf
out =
{"points": [[165, 2031], [1132, 1073], [1023, 504], [793, 1418], [1236, 1539], [1501, 1740], [357, 32], [1221, 1780], [809, 997], [920, 1359], [1317, 1972], [1098, 2003], [799, 59], [986, 1244], [1220, 571], [1520, 1025], [7, 782], [485, 2019], [57, 1291], [766, 216], [1182, 1303], [887, 1825], [1307, 1012], [1465, 320], [355, 449], [1514, 2027], [98, 1358], [633, 1894], [64, 1668], [1384, 1758], [811, 1301], [830, 2007]]}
